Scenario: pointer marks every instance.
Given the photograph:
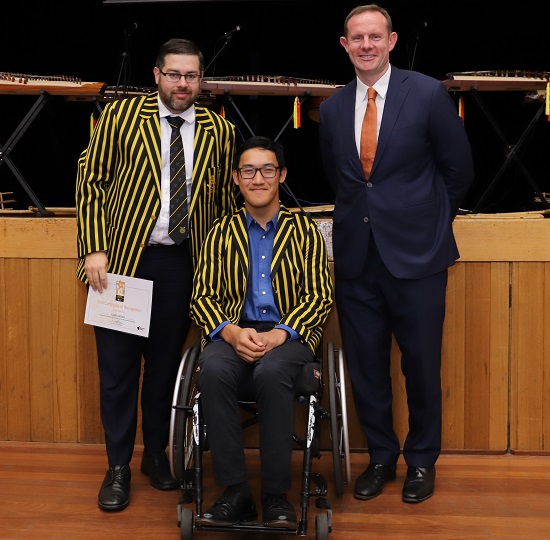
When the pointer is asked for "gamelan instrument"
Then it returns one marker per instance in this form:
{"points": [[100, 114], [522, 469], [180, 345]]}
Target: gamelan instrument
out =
{"points": [[497, 80], [60, 85]]}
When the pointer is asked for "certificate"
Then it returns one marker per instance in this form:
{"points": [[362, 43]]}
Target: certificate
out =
{"points": [[125, 305]]}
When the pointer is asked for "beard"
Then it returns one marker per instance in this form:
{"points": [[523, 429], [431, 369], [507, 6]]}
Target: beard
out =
{"points": [[177, 104]]}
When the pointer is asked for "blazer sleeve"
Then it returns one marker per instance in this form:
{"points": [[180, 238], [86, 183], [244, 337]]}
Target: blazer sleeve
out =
{"points": [[95, 167], [303, 284], [219, 284]]}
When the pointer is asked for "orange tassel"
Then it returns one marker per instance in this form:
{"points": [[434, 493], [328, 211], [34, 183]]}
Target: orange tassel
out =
{"points": [[222, 112], [547, 108], [296, 114], [461, 107]]}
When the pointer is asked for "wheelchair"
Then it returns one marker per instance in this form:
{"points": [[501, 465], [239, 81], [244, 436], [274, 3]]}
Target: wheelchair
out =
{"points": [[188, 440]]}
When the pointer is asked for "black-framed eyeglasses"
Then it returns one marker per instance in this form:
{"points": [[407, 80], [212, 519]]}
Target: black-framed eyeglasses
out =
{"points": [[173, 77], [268, 171]]}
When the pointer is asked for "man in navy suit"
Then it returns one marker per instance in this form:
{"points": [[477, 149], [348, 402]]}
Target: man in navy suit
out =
{"points": [[393, 243]]}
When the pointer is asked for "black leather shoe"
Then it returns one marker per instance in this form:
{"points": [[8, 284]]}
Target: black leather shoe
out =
{"points": [[115, 491], [278, 512], [156, 466], [232, 507], [419, 484], [369, 484]]}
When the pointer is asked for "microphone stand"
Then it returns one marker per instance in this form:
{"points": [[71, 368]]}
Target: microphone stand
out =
{"points": [[414, 51], [124, 71], [416, 34], [227, 40]]}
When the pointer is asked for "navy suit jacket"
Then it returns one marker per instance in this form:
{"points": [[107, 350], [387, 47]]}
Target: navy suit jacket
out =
{"points": [[422, 170]]}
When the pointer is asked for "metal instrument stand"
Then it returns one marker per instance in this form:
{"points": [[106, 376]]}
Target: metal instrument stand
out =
{"points": [[19, 131], [512, 154]]}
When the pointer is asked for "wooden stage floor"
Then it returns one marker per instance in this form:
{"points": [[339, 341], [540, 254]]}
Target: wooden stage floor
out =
{"points": [[49, 491]]}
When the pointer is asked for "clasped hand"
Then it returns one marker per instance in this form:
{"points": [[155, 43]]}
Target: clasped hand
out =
{"points": [[250, 344]]}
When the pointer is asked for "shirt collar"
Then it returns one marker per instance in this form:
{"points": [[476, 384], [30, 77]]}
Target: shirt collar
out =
{"points": [[250, 220], [381, 87]]}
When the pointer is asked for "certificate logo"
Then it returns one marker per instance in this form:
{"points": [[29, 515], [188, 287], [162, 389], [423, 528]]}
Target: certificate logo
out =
{"points": [[120, 291]]}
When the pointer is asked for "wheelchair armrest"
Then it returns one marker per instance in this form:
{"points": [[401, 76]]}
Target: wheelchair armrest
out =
{"points": [[309, 381]]}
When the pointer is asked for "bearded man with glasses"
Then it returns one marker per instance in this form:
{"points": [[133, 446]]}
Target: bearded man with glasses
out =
{"points": [[124, 221]]}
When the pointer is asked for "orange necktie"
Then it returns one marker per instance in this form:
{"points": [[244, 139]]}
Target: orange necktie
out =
{"points": [[368, 133]]}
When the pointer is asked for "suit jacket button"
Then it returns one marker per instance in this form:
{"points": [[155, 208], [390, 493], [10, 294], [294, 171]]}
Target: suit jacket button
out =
{"points": [[369, 184], [366, 219]]}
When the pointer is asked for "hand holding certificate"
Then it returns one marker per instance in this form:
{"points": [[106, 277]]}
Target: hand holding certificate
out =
{"points": [[125, 305]]}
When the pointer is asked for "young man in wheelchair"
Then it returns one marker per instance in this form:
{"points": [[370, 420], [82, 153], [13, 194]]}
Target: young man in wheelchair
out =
{"points": [[262, 292]]}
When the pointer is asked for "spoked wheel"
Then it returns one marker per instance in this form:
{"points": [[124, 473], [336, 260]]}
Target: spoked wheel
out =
{"points": [[338, 418], [181, 421]]}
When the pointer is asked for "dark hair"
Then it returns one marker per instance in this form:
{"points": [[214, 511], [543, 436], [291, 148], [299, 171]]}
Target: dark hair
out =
{"points": [[261, 142], [179, 46], [368, 7]]}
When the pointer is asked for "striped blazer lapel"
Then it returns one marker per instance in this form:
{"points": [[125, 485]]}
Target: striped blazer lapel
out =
{"points": [[285, 230], [240, 238], [203, 147], [150, 131]]}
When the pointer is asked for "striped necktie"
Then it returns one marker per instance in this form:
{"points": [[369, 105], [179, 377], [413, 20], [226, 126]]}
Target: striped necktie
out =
{"points": [[178, 225], [368, 134]]}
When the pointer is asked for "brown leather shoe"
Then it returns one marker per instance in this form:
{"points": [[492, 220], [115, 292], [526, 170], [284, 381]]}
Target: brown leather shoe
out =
{"points": [[419, 484], [369, 484], [114, 493], [156, 466]]}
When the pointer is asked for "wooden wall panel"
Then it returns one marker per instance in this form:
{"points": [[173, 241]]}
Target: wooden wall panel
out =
{"points": [[3, 355], [41, 362], [496, 357], [499, 357], [64, 315], [16, 347], [453, 348], [530, 358]]}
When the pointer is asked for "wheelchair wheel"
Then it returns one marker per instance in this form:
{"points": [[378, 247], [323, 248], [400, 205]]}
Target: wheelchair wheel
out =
{"points": [[338, 419], [181, 421], [344, 448], [321, 527], [186, 524]]}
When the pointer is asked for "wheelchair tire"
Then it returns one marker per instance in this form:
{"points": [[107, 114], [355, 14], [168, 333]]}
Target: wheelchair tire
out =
{"points": [[344, 440], [335, 421], [181, 421], [321, 527], [186, 524]]}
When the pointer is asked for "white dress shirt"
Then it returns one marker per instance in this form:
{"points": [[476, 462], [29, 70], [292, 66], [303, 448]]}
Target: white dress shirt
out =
{"points": [[361, 98], [160, 231]]}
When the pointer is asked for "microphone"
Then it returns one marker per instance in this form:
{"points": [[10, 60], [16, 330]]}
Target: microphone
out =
{"points": [[129, 29], [237, 28], [420, 26], [226, 40], [414, 34]]}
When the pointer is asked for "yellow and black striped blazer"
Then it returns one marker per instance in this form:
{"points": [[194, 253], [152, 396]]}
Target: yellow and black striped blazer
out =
{"points": [[300, 275], [118, 187]]}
